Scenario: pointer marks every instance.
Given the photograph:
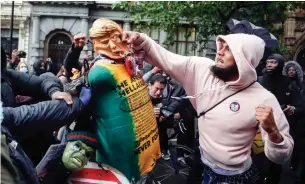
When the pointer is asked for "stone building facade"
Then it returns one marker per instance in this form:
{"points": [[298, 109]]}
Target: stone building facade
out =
{"points": [[45, 29], [21, 26], [294, 36]]}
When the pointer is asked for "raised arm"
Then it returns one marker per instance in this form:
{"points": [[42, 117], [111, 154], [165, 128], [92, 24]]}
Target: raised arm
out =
{"points": [[27, 120]]}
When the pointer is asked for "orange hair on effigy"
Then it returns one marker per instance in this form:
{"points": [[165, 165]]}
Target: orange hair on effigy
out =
{"points": [[102, 27]]}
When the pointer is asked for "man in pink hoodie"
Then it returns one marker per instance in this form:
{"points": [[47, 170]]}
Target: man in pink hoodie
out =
{"points": [[231, 105]]}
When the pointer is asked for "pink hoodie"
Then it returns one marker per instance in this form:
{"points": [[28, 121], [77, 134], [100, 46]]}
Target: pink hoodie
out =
{"points": [[228, 130]]}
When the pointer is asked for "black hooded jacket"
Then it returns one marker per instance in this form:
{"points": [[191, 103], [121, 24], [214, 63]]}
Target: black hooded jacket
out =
{"points": [[72, 61], [25, 121], [37, 70], [286, 93]]}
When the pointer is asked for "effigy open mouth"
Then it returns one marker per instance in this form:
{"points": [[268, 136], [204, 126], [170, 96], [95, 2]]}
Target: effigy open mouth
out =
{"points": [[125, 54]]}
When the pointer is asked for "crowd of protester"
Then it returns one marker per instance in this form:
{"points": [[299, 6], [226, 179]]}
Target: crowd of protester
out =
{"points": [[44, 112]]}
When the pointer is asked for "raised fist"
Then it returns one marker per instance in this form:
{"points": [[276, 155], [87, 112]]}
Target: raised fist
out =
{"points": [[79, 40]]}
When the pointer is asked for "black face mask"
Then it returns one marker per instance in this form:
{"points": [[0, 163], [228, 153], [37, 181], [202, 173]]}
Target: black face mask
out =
{"points": [[224, 73]]}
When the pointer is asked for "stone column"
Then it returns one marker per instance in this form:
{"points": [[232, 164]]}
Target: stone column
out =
{"points": [[85, 31], [163, 36], [127, 26], [21, 36], [35, 39]]}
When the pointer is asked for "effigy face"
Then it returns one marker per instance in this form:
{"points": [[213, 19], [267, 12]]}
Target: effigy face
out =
{"points": [[106, 36], [76, 155]]}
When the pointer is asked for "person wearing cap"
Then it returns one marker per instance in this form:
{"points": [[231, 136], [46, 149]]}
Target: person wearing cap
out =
{"points": [[231, 105]]}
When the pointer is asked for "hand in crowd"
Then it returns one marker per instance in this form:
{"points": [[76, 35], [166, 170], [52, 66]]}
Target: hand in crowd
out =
{"points": [[79, 40], [49, 60], [130, 37], [15, 56], [264, 115], [161, 118], [62, 96], [157, 112], [156, 70], [289, 110]]}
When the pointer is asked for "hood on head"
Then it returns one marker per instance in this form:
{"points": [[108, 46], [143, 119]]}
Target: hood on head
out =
{"points": [[281, 62], [297, 67], [247, 50], [279, 58], [37, 64]]}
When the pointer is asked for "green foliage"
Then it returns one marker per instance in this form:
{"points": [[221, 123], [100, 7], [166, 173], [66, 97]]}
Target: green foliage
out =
{"points": [[209, 17]]}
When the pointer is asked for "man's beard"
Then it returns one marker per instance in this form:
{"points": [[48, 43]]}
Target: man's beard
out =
{"points": [[224, 73]]}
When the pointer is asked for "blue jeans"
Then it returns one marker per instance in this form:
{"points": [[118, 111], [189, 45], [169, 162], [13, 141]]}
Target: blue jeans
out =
{"points": [[250, 176], [207, 179]]}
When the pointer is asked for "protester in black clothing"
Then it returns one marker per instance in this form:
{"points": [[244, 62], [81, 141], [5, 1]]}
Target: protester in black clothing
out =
{"points": [[15, 59], [25, 121], [72, 57], [169, 111], [289, 97], [53, 66], [156, 87], [287, 93], [294, 72], [41, 88], [39, 67], [17, 83]]}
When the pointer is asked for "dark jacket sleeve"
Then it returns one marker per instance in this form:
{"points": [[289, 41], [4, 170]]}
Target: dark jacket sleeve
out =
{"points": [[297, 100], [175, 105], [31, 85], [71, 61], [27, 120], [10, 65]]}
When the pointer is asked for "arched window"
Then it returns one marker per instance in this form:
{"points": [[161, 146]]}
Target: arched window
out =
{"points": [[59, 45]]}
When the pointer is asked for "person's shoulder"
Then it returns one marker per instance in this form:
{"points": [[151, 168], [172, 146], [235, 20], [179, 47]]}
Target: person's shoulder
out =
{"points": [[202, 60], [200, 63], [262, 92], [268, 99]]}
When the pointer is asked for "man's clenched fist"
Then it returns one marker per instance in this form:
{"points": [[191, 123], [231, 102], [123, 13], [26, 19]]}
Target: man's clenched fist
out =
{"points": [[264, 115], [79, 40]]}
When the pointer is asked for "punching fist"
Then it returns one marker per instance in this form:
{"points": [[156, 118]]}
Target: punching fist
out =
{"points": [[79, 40], [264, 115], [130, 37]]}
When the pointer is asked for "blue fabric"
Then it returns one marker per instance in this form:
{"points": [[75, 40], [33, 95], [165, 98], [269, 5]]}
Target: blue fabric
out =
{"points": [[85, 95], [54, 151], [251, 176], [207, 179]]}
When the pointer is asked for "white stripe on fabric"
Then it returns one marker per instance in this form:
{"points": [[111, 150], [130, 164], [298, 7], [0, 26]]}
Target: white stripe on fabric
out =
{"points": [[92, 181]]}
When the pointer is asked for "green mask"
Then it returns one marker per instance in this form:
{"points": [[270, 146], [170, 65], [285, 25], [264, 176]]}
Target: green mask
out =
{"points": [[76, 155]]}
